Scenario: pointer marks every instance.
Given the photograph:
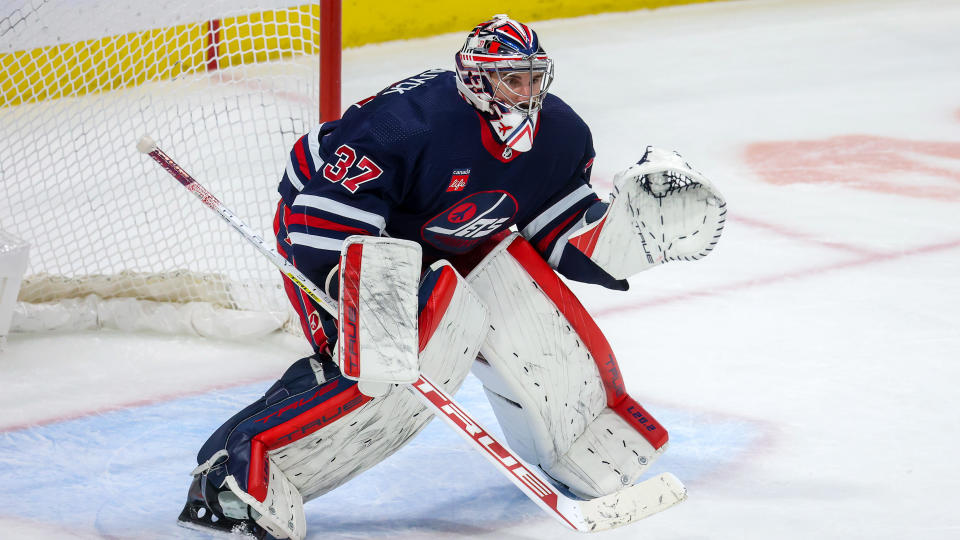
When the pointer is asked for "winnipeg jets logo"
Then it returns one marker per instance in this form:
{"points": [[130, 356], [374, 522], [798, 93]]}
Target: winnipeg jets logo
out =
{"points": [[459, 180], [481, 225], [463, 225], [462, 213]]}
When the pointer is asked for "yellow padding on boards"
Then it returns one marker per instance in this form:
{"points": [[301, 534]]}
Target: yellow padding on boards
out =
{"points": [[114, 62], [374, 21]]}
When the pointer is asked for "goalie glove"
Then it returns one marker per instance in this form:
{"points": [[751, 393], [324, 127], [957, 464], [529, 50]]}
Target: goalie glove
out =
{"points": [[660, 210]]}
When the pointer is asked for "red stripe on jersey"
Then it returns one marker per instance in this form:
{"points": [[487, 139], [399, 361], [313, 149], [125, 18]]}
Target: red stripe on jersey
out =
{"points": [[280, 221], [436, 305], [544, 243], [276, 218], [302, 157], [495, 147], [364, 101], [585, 327], [349, 342], [309, 316], [320, 223], [587, 241]]}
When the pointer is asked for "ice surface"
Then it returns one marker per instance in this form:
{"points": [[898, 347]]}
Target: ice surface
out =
{"points": [[806, 369]]}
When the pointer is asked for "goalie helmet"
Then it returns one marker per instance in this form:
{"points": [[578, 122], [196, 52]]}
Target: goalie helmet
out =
{"points": [[503, 71]]}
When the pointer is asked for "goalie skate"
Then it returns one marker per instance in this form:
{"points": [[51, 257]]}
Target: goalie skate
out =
{"points": [[200, 515]]}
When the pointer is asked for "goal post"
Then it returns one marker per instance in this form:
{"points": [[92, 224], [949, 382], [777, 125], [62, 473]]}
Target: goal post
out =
{"points": [[331, 45], [229, 84]]}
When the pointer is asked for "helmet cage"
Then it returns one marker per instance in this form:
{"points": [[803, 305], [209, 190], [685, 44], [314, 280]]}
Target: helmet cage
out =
{"points": [[517, 85], [502, 69]]}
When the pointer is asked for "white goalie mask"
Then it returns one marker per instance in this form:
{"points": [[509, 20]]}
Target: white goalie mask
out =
{"points": [[504, 72]]}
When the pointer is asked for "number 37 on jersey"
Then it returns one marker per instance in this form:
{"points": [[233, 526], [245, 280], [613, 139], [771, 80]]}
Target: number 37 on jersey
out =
{"points": [[365, 170]]}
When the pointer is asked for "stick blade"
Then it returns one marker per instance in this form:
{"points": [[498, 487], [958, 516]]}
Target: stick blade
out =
{"points": [[628, 505]]}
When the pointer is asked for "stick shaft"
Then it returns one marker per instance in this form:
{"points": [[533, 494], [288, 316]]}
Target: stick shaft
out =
{"points": [[289, 270]]}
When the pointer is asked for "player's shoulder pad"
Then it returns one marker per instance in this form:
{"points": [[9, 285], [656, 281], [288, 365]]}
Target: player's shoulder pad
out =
{"points": [[401, 113], [416, 85], [558, 110]]}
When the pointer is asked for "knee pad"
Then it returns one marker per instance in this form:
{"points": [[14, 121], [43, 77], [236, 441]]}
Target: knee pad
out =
{"points": [[553, 381]]}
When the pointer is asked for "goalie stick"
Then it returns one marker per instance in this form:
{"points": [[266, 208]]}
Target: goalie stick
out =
{"points": [[613, 510]]}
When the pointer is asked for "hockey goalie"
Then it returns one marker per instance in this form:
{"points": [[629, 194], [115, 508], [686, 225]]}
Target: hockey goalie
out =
{"points": [[441, 213]]}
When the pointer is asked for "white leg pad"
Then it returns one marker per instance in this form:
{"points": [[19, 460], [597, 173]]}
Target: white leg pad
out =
{"points": [[544, 383]]}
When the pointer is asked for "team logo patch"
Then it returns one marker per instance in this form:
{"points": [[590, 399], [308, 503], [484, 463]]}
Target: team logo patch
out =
{"points": [[462, 212], [461, 227], [459, 180]]}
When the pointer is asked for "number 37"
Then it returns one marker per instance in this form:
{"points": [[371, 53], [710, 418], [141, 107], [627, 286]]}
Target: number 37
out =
{"points": [[346, 157]]}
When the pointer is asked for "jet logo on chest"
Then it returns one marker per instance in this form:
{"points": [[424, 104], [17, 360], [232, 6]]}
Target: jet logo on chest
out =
{"points": [[465, 224]]}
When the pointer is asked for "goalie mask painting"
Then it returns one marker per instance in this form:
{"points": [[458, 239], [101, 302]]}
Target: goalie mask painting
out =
{"points": [[503, 71]]}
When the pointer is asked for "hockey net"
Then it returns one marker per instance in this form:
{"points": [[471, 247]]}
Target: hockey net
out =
{"points": [[227, 86]]}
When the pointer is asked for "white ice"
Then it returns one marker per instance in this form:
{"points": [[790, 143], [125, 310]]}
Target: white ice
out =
{"points": [[806, 370]]}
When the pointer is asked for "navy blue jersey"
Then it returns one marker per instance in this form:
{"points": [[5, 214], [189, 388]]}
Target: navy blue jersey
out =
{"points": [[418, 162]]}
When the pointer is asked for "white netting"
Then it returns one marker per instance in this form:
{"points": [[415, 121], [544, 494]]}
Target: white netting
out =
{"points": [[82, 80]]}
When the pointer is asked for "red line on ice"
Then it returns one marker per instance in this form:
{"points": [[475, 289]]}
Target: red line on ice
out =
{"points": [[796, 235], [867, 258], [136, 403], [776, 278], [868, 162]]}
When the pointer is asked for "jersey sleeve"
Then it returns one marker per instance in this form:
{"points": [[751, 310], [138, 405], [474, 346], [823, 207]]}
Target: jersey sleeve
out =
{"points": [[568, 210], [341, 179]]}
